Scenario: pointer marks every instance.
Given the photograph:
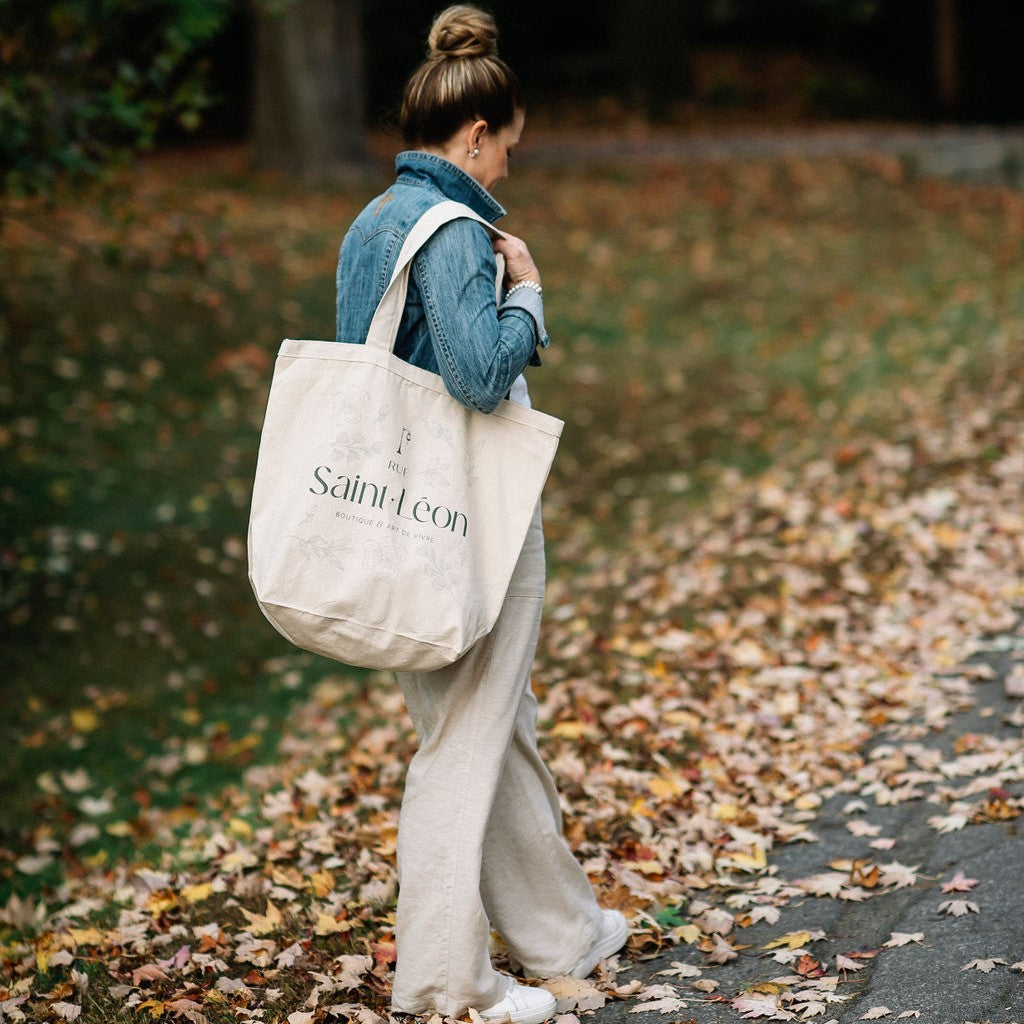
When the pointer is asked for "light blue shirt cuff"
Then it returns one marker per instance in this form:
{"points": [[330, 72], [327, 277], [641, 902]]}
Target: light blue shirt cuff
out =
{"points": [[527, 299]]}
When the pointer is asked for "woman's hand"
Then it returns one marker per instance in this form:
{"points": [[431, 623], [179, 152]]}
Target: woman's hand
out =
{"points": [[519, 265]]}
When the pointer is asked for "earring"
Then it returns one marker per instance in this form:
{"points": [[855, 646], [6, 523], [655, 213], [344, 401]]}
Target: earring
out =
{"points": [[473, 153]]}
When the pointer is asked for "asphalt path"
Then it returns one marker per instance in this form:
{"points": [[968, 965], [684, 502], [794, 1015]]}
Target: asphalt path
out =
{"points": [[929, 976]]}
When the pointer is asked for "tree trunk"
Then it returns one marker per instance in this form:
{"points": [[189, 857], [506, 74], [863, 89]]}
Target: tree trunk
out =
{"points": [[947, 56], [308, 94]]}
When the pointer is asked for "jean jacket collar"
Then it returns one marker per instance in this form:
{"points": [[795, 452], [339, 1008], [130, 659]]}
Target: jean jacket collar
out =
{"points": [[454, 182]]}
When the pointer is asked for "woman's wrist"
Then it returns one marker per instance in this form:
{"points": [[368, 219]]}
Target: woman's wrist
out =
{"points": [[534, 286]]}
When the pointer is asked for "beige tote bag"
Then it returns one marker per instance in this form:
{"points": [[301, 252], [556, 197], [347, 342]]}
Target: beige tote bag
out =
{"points": [[387, 518]]}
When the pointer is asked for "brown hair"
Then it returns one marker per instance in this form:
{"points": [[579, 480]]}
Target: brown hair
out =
{"points": [[463, 79]]}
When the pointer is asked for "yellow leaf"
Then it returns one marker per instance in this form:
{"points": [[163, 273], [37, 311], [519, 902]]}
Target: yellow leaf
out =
{"points": [[327, 925], [86, 936], [570, 730], [639, 807], [725, 812], [947, 536], [197, 893], [120, 828], [161, 900], [321, 882], [241, 745], [647, 867], [155, 1007], [746, 861], [84, 719], [688, 933], [791, 939], [45, 948], [240, 828], [264, 924], [685, 719], [665, 786]]}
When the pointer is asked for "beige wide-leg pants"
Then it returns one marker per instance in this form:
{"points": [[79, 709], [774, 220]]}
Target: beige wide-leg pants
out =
{"points": [[480, 840]]}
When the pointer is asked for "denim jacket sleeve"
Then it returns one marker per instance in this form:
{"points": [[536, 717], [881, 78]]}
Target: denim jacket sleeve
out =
{"points": [[480, 348]]}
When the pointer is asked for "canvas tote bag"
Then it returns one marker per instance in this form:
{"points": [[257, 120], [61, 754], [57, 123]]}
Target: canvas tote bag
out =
{"points": [[387, 517]]}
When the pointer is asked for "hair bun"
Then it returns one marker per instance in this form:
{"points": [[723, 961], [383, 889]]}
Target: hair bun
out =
{"points": [[463, 31]]}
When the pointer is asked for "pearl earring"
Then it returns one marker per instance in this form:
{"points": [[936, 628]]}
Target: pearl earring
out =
{"points": [[475, 152]]}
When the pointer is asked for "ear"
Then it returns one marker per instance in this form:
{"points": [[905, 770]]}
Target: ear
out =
{"points": [[477, 130]]}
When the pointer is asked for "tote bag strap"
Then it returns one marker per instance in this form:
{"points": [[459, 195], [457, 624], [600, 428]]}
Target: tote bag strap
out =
{"points": [[388, 315]]}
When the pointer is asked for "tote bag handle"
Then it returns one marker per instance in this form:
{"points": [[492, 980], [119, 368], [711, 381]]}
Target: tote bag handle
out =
{"points": [[384, 326]]}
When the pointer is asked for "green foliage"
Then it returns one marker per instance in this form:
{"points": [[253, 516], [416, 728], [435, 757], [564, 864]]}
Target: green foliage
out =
{"points": [[84, 83]]}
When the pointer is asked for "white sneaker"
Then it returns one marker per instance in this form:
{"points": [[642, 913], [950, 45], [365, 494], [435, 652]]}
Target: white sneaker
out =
{"points": [[612, 937], [521, 1004]]}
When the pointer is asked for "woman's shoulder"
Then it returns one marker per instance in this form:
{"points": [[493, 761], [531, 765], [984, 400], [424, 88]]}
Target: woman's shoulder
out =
{"points": [[396, 210]]}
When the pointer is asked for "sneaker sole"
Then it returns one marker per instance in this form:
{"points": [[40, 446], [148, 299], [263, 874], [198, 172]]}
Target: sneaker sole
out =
{"points": [[535, 1016]]}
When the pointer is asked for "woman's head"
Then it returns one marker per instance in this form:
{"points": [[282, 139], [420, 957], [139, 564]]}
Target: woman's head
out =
{"points": [[463, 80]]}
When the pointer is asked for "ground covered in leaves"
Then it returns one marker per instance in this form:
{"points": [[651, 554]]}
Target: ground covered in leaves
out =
{"points": [[786, 513]]}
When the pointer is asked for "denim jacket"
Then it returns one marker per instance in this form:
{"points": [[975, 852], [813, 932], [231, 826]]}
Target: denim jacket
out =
{"points": [[452, 323]]}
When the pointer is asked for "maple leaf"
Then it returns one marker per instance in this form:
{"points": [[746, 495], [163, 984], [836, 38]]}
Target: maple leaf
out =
{"points": [[353, 968], [899, 875], [681, 970], [959, 883], [903, 938], [876, 1012], [793, 940], [983, 965], [949, 822], [844, 963], [758, 1004], [575, 994], [148, 972], [669, 1004], [722, 952], [808, 1008], [264, 924], [769, 914], [859, 827], [66, 1011], [328, 925], [355, 1013], [828, 883], [958, 908]]}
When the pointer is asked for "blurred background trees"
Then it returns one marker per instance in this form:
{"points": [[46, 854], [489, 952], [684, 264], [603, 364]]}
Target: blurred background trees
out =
{"points": [[85, 81]]}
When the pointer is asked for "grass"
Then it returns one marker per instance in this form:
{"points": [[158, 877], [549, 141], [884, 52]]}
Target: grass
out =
{"points": [[706, 319]]}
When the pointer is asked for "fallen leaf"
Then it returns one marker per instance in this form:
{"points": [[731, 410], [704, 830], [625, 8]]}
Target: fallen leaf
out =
{"points": [[844, 963], [756, 1005], [958, 908], [575, 994], [986, 966], [264, 924], [959, 883]]}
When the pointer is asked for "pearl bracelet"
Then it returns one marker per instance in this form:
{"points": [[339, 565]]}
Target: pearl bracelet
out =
{"points": [[532, 285]]}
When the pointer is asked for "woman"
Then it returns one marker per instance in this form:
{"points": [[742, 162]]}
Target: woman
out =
{"points": [[480, 838]]}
